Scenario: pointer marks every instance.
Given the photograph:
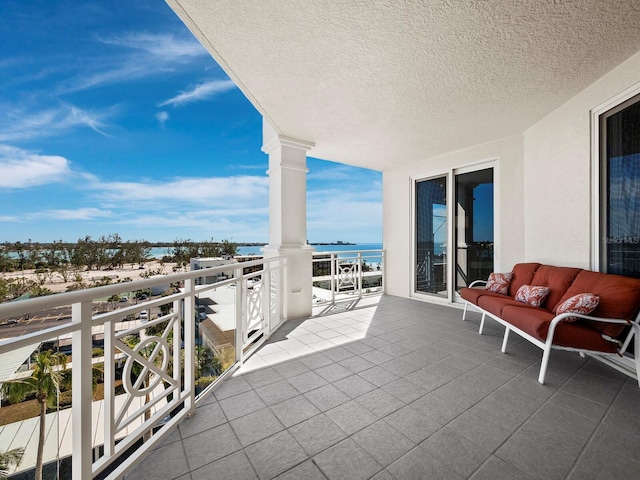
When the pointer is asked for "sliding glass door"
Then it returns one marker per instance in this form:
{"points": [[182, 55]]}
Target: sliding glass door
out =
{"points": [[474, 226], [467, 227], [431, 236]]}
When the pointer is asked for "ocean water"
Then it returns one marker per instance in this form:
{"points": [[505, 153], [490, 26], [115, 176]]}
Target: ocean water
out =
{"points": [[321, 248], [159, 252]]}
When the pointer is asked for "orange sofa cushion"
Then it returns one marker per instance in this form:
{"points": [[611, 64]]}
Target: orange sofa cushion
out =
{"points": [[558, 279], [619, 297], [522, 275]]}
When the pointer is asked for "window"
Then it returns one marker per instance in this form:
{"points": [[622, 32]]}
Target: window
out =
{"points": [[620, 189]]}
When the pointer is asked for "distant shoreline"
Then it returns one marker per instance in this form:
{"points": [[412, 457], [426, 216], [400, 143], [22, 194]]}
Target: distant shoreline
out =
{"points": [[255, 244], [135, 272], [44, 245], [126, 273]]}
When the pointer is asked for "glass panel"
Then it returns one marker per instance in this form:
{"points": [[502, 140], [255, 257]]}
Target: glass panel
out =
{"points": [[215, 334], [431, 236], [47, 366], [621, 242], [474, 226]]}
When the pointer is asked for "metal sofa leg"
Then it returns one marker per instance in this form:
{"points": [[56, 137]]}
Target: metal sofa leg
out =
{"points": [[545, 363], [505, 340], [636, 344], [484, 315], [464, 312]]}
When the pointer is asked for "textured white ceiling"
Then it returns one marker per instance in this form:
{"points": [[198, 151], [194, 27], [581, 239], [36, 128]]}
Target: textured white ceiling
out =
{"points": [[380, 83]]}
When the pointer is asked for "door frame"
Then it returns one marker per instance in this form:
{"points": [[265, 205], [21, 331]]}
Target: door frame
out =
{"points": [[596, 180], [450, 174]]}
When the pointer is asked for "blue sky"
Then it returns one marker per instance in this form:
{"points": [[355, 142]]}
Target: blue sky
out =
{"points": [[114, 119]]}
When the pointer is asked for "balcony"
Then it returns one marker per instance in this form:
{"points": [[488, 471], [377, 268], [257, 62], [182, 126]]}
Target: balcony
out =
{"points": [[369, 386], [403, 389], [149, 379]]}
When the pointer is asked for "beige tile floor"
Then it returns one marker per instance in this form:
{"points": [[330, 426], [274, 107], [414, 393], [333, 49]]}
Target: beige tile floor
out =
{"points": [[392, 388]]}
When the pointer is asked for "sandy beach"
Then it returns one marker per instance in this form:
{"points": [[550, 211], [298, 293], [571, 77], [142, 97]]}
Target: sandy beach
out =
{"points": [[56, 283]]}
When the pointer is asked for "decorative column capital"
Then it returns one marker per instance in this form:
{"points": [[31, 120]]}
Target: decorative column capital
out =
{"points": [[284, 141]]}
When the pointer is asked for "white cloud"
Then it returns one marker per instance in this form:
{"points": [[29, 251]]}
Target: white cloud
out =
{"points": [[324, 170], [360, 215], [259, 166], [223, 191], [22, 125], [198, 208], [143, 55], [167, 48], [162, 118], [194, 218], [116, 73], [76, 214], [22, 169], [236, 207], [79, 117], [200, 92]]}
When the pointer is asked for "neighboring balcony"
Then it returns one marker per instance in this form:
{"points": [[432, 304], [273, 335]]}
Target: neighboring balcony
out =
{"points": [[151, 366]]}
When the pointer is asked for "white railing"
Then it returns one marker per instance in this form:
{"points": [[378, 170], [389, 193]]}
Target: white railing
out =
{"points": [[344, 275], [158, 368]]}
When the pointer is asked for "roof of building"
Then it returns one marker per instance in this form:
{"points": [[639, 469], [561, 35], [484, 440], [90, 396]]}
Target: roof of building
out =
{"points": [[11, 361]]}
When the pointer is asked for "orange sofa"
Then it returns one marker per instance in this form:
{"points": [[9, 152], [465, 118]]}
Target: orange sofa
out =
{"points": [[606, 332]]}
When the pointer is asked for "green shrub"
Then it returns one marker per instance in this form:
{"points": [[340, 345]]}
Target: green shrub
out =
{"points": [[64, 399]]}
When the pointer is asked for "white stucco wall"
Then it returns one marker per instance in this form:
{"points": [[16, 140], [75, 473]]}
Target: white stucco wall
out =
{"points": [[557, 173], [397, 210], [543, 187]]}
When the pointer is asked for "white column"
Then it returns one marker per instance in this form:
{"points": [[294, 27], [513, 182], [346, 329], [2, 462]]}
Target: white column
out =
{"points": [[288, 217], [82, 394]]}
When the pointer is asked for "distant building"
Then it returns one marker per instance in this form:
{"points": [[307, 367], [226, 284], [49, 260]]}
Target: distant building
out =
{"points": [[202, 263]]}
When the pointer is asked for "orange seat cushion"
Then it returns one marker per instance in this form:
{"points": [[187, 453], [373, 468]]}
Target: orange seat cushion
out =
{"points": [[473, 294], [495, 305], [536, 323]]}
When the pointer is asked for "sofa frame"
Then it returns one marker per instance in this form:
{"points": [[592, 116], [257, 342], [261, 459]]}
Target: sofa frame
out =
{"points": [[617, 360]]}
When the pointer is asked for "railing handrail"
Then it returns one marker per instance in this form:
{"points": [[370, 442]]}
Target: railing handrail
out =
{"points": [[346, 275], [178, 387], [21, 307], [259, 309], [352, 252]]}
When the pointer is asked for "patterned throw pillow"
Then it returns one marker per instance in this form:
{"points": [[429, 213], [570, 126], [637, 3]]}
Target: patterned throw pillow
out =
{"points": [[499, 282], [532, 294], [583, 303]]}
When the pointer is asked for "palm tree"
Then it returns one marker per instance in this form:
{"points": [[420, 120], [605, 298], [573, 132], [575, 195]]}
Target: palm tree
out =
{"points": [[8, 458], [44, 382]]}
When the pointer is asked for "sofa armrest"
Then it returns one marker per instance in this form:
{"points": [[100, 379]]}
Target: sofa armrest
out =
{"points": [[563, 316], [477, 282]]}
